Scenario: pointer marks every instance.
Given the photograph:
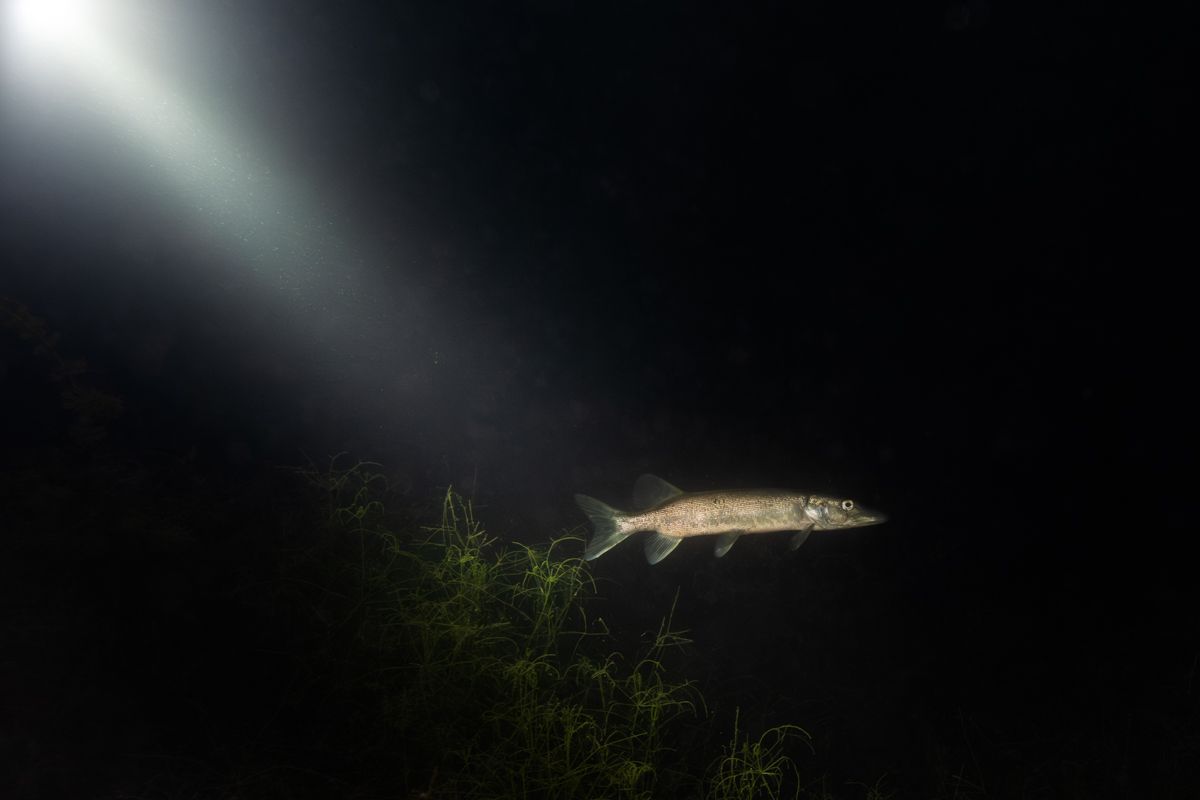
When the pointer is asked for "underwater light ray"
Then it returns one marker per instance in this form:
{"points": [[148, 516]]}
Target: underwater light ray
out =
{"points": [[279, 241], [56, 23], [260, 218]]}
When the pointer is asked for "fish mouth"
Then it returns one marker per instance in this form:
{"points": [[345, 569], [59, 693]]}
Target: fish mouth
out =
{"points": [[866, 517]]}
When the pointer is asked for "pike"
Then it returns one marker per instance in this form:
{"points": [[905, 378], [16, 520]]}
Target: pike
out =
{"points": [[673, 515]]}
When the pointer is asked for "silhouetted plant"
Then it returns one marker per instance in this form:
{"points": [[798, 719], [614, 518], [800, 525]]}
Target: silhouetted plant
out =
{"points": [[91, 408]]}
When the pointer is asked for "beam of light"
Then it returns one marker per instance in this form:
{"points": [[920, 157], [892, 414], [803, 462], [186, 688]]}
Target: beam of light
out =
{"points": [[270, 226], [285, 246], [53, 22]]}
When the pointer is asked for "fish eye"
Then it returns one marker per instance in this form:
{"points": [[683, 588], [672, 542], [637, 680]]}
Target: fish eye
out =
{"points": [[847, 505]]}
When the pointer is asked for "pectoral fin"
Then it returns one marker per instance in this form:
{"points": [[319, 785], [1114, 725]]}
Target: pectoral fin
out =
{"points": [[725, 541], [659, 547], [798, 538]]}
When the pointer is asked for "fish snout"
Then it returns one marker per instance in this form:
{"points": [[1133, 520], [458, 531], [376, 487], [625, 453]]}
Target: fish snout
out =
{"points": [[868, 516]]}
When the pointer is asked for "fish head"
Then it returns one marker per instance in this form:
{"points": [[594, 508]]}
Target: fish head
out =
{"points": [[834, 513]]}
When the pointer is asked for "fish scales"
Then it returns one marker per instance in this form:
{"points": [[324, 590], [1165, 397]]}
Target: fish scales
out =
{"points": [[671, 515], [706, 513]]}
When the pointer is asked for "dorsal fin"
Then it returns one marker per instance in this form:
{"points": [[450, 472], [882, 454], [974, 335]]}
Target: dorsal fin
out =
{"points": [[651, 490]]}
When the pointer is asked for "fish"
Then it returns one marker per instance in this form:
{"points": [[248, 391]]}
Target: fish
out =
{"points": [[672, 515]]}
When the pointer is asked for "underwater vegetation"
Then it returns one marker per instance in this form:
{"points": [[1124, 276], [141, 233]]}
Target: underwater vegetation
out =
{"points": [[169, 632], [496, 683]]}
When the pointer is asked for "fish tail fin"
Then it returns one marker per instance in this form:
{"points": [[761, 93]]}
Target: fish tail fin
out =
{"points": [[606, 524]]}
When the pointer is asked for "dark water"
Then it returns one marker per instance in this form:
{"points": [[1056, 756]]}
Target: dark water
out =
{"points": [[923, 257]]}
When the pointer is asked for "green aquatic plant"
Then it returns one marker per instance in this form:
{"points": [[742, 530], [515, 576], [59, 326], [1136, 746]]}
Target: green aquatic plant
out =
{"points": [[589, 729], [489, 674], [352, 497], [756, 768]]}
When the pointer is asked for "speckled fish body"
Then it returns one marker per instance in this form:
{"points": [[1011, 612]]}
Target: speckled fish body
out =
{"points": [[673, 515]]}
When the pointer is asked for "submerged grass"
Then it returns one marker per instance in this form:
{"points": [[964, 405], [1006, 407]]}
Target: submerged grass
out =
{"points": [[496, 684], [207, 634], [180, 627], [756, 768]]}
